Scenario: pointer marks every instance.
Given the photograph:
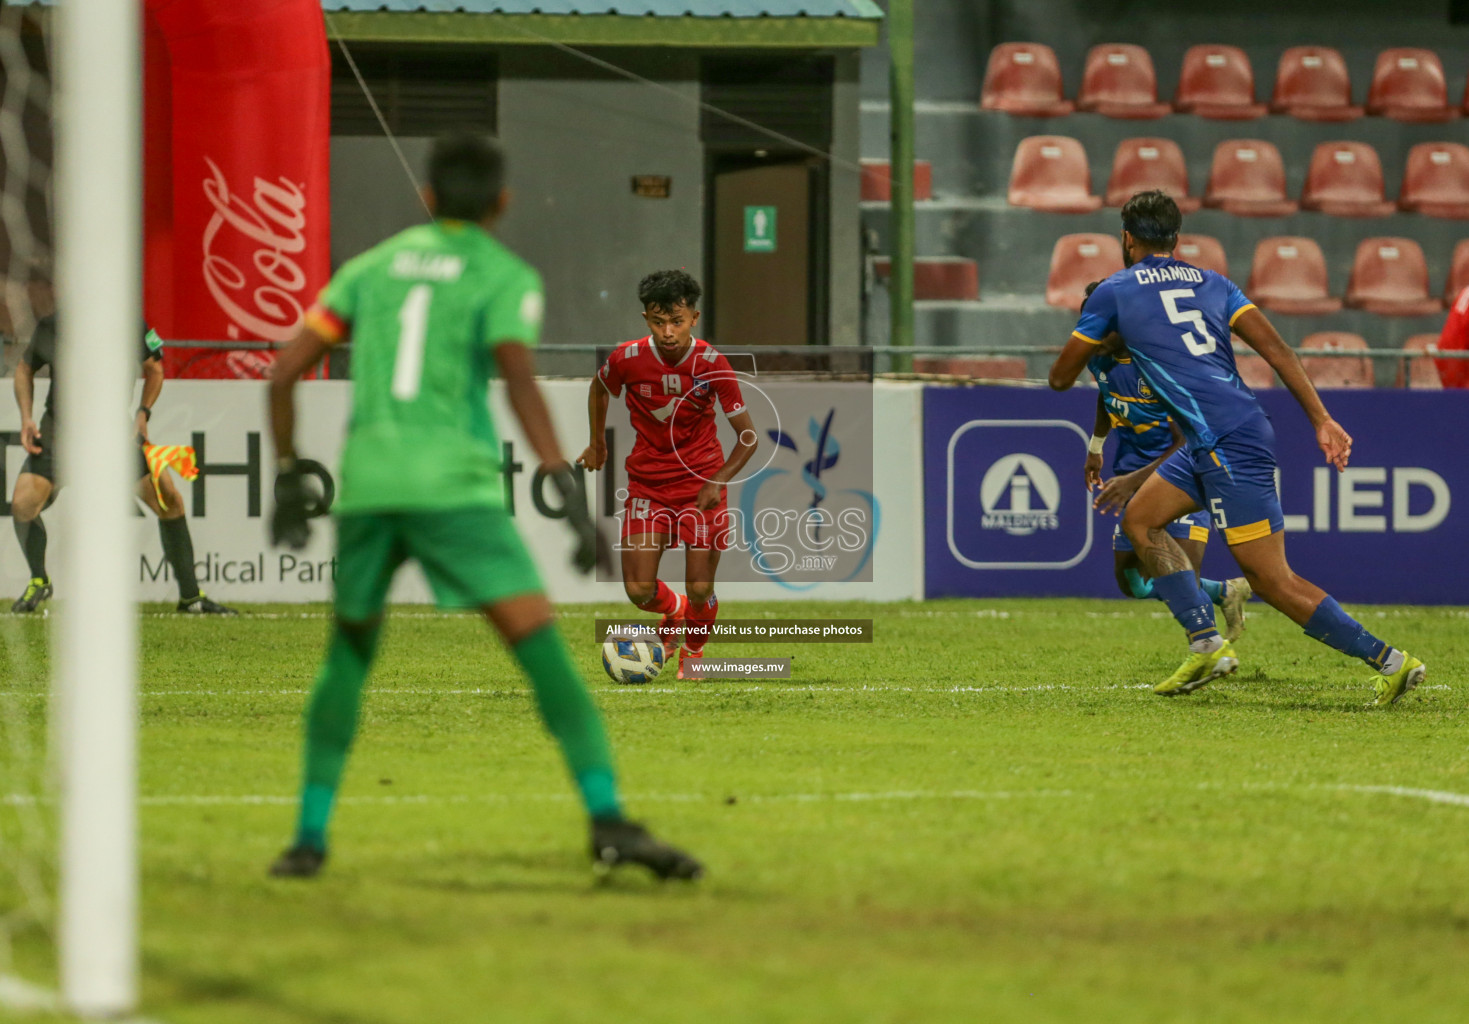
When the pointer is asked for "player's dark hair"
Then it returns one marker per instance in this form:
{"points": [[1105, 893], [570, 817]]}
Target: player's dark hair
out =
{"points": [[466, 172], [1153, 218], [662, 290]]}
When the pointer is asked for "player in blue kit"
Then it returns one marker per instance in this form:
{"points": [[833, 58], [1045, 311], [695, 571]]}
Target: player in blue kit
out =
{"points": [[1146, 437], [1176, 319]]}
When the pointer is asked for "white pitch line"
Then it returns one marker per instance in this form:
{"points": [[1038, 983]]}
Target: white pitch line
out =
{"points": [[1437, 796], [685, 691]]}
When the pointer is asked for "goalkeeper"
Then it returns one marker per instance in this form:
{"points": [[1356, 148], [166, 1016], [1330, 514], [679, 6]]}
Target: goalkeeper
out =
{"points": [[433, 313]]}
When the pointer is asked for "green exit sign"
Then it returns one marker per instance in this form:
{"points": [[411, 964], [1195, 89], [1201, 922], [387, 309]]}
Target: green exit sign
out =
{"points": [[759, 229]]}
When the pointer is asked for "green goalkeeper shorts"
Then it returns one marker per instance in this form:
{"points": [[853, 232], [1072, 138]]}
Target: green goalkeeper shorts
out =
{"points": [[471, 556]]}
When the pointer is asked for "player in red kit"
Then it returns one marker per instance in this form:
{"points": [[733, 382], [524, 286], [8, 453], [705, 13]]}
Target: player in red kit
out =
{"points": [[677, 470]]}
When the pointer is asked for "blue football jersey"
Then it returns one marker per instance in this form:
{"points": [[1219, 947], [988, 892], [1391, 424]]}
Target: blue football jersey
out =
{"points": [[1175, 320], [1139, 420]]}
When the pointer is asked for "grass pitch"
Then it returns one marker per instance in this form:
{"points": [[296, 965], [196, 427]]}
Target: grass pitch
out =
{"points": [[981, 817]]}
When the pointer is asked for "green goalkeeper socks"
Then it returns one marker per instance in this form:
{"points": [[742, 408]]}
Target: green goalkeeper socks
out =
{"points": [[567, 709], [561, 695], [331, 722]]}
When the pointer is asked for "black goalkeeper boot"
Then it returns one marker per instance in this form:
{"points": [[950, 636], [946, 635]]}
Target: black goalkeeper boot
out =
{"points": [[298, 862], [619, 841], [201, 605]]}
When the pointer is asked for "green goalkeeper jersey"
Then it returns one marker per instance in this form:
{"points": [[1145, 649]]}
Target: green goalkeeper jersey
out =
{"points": [[423, 310]]}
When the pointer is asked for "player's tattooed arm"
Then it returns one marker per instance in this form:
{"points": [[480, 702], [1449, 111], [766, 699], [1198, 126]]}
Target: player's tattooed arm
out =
{"points": [[746, 440], [598, 398], [1260, 334]]}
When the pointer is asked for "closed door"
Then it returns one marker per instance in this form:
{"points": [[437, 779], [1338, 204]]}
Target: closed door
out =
{"points": [[762, 255]]}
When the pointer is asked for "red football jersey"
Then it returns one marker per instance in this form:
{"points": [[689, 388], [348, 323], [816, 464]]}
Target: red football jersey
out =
{"points": [[1455, 337], [672, 411]]}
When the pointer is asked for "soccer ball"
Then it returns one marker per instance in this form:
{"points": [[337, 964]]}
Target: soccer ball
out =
{"points": [[632, 661]]}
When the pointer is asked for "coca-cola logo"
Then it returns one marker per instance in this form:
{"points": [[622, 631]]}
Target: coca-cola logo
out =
{"points": [[275, 221]]}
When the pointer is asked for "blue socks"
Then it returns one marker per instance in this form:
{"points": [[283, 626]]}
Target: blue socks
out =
{"points": [[1336, 629], [1189, 605], [1214, 588]]}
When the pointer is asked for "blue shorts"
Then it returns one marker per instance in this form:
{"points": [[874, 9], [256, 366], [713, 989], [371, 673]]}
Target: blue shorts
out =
{"points": [[1235, 482], [1193, 526]]}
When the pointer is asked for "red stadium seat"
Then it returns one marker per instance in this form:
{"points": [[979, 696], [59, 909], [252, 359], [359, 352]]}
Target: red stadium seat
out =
{"points": [[877, 180], [1436, 181], [1408, 85], [1345, 180], [1458, 273], [1217, 82], [1203, 252], [1337, 371], [1289, 276], [1024, 79], [951, 278], [1248, 179], [1077, 261], [1253, 370], [1142, 164], [1119, 81], [983, 368], [1421, 371], [1312, 84], [1051, 173], [1390, 276]]}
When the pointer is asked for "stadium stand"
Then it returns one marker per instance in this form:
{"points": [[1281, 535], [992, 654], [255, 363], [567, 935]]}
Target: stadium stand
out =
{"points": [[1312, 83], [1119, 81], [1289, 276], [1217, 82], [1345, 180], [1076, 261], [1253, 370], [952, 278], [877, 180], [1337, 371], [1203, 252], [1458, 272], [1024, 79], [1390, 276], [1148, 163], [1051, 173], [1247, 178], [1408, 85], [1436, 180], [1419, 371]]}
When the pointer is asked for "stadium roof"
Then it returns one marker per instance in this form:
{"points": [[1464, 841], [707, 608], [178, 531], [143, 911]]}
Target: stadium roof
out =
{"points": [[700, 23]]}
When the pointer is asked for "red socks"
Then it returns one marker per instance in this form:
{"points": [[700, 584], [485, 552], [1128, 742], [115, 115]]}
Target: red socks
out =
{"points": [[701, 617], [664, 602]]}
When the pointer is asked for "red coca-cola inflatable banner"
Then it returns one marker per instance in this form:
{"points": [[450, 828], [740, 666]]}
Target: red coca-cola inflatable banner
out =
{"points": [[237, 113]]}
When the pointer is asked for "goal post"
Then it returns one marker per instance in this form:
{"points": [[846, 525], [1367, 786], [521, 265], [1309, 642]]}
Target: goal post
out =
{"points": [[98, 206]]}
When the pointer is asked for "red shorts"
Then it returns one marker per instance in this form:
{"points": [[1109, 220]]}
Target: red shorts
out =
{"points": [[690, 526]]}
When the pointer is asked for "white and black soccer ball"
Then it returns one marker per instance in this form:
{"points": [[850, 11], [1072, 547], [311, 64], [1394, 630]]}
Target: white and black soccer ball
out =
{"points": [[632, 662]]}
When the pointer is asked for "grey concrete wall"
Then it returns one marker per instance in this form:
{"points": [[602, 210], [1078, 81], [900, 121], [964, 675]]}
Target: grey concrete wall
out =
{"points": [[575, 135]]}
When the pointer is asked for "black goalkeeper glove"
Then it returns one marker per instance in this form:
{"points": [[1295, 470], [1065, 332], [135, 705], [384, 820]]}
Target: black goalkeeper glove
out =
{"points": [[296, 503], [592, 549]]}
